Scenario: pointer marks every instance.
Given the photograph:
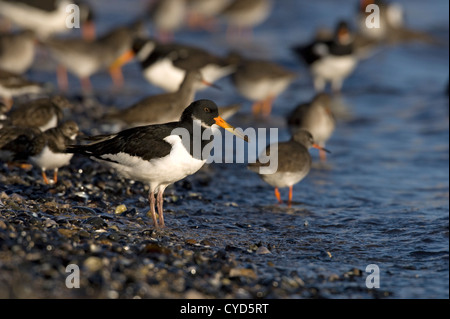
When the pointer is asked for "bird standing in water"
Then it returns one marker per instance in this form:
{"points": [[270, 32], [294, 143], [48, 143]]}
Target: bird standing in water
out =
{"points": [[294, 162]]}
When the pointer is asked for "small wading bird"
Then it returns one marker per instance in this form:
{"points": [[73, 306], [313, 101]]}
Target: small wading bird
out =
{"points": [[157, 154], [85, 58], [13, 85], [294, 163], [392, 28], [47, 150], [243, 15], [43, 113], [17, 51], [167, 17], [162, 108], [260, 81], [14, 141], [315, 117]]}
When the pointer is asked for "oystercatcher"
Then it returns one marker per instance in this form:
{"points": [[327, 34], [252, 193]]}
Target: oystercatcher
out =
{"points": [[165, 65], [294, 162], [159, 155], [330, 61]]}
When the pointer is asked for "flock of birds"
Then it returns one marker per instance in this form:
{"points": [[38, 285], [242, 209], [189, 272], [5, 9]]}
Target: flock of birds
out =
{"points": [[147, 150]]}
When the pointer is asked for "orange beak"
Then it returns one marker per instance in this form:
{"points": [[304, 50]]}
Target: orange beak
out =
{"points": [[211, 85], [122, 60], [321, 148], [221, 122]]}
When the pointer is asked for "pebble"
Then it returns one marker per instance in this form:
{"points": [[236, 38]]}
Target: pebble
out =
{"points": [[96, 222], [93, 264], [243, 272], [67, 232], [262, 250], [120, 209]]}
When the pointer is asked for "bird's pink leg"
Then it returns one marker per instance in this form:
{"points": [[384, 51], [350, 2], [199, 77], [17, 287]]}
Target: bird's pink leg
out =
{"points": [[152, 212]]}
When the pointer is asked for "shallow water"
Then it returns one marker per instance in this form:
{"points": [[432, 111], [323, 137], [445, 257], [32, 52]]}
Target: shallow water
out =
{"points": [[383, 196]]}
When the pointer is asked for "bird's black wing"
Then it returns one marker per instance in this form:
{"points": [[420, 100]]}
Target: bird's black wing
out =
{"points": [[146, 142]]}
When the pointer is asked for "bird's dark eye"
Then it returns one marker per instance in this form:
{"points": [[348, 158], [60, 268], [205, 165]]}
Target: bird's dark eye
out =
{"points": [[207, 110]]}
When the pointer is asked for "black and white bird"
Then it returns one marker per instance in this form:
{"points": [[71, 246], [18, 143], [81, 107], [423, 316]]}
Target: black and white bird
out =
{"points": [[17, 51], [160, 155], [48, 150], [330, 60], [317, 118], [47, 17], [293, 162], [166, 65]]}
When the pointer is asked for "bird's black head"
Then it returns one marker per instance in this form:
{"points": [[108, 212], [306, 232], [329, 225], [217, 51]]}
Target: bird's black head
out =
{"points": [[143, 48], [343, 34], [205, 111]]}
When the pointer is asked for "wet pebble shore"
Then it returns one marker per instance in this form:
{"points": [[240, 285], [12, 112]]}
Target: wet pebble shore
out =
{"points": [[96, 221]]}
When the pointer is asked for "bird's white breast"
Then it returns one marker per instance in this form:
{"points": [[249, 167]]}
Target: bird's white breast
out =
{"points": [[164, 75], [162, 171], [332, 67], [50, 160]]}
